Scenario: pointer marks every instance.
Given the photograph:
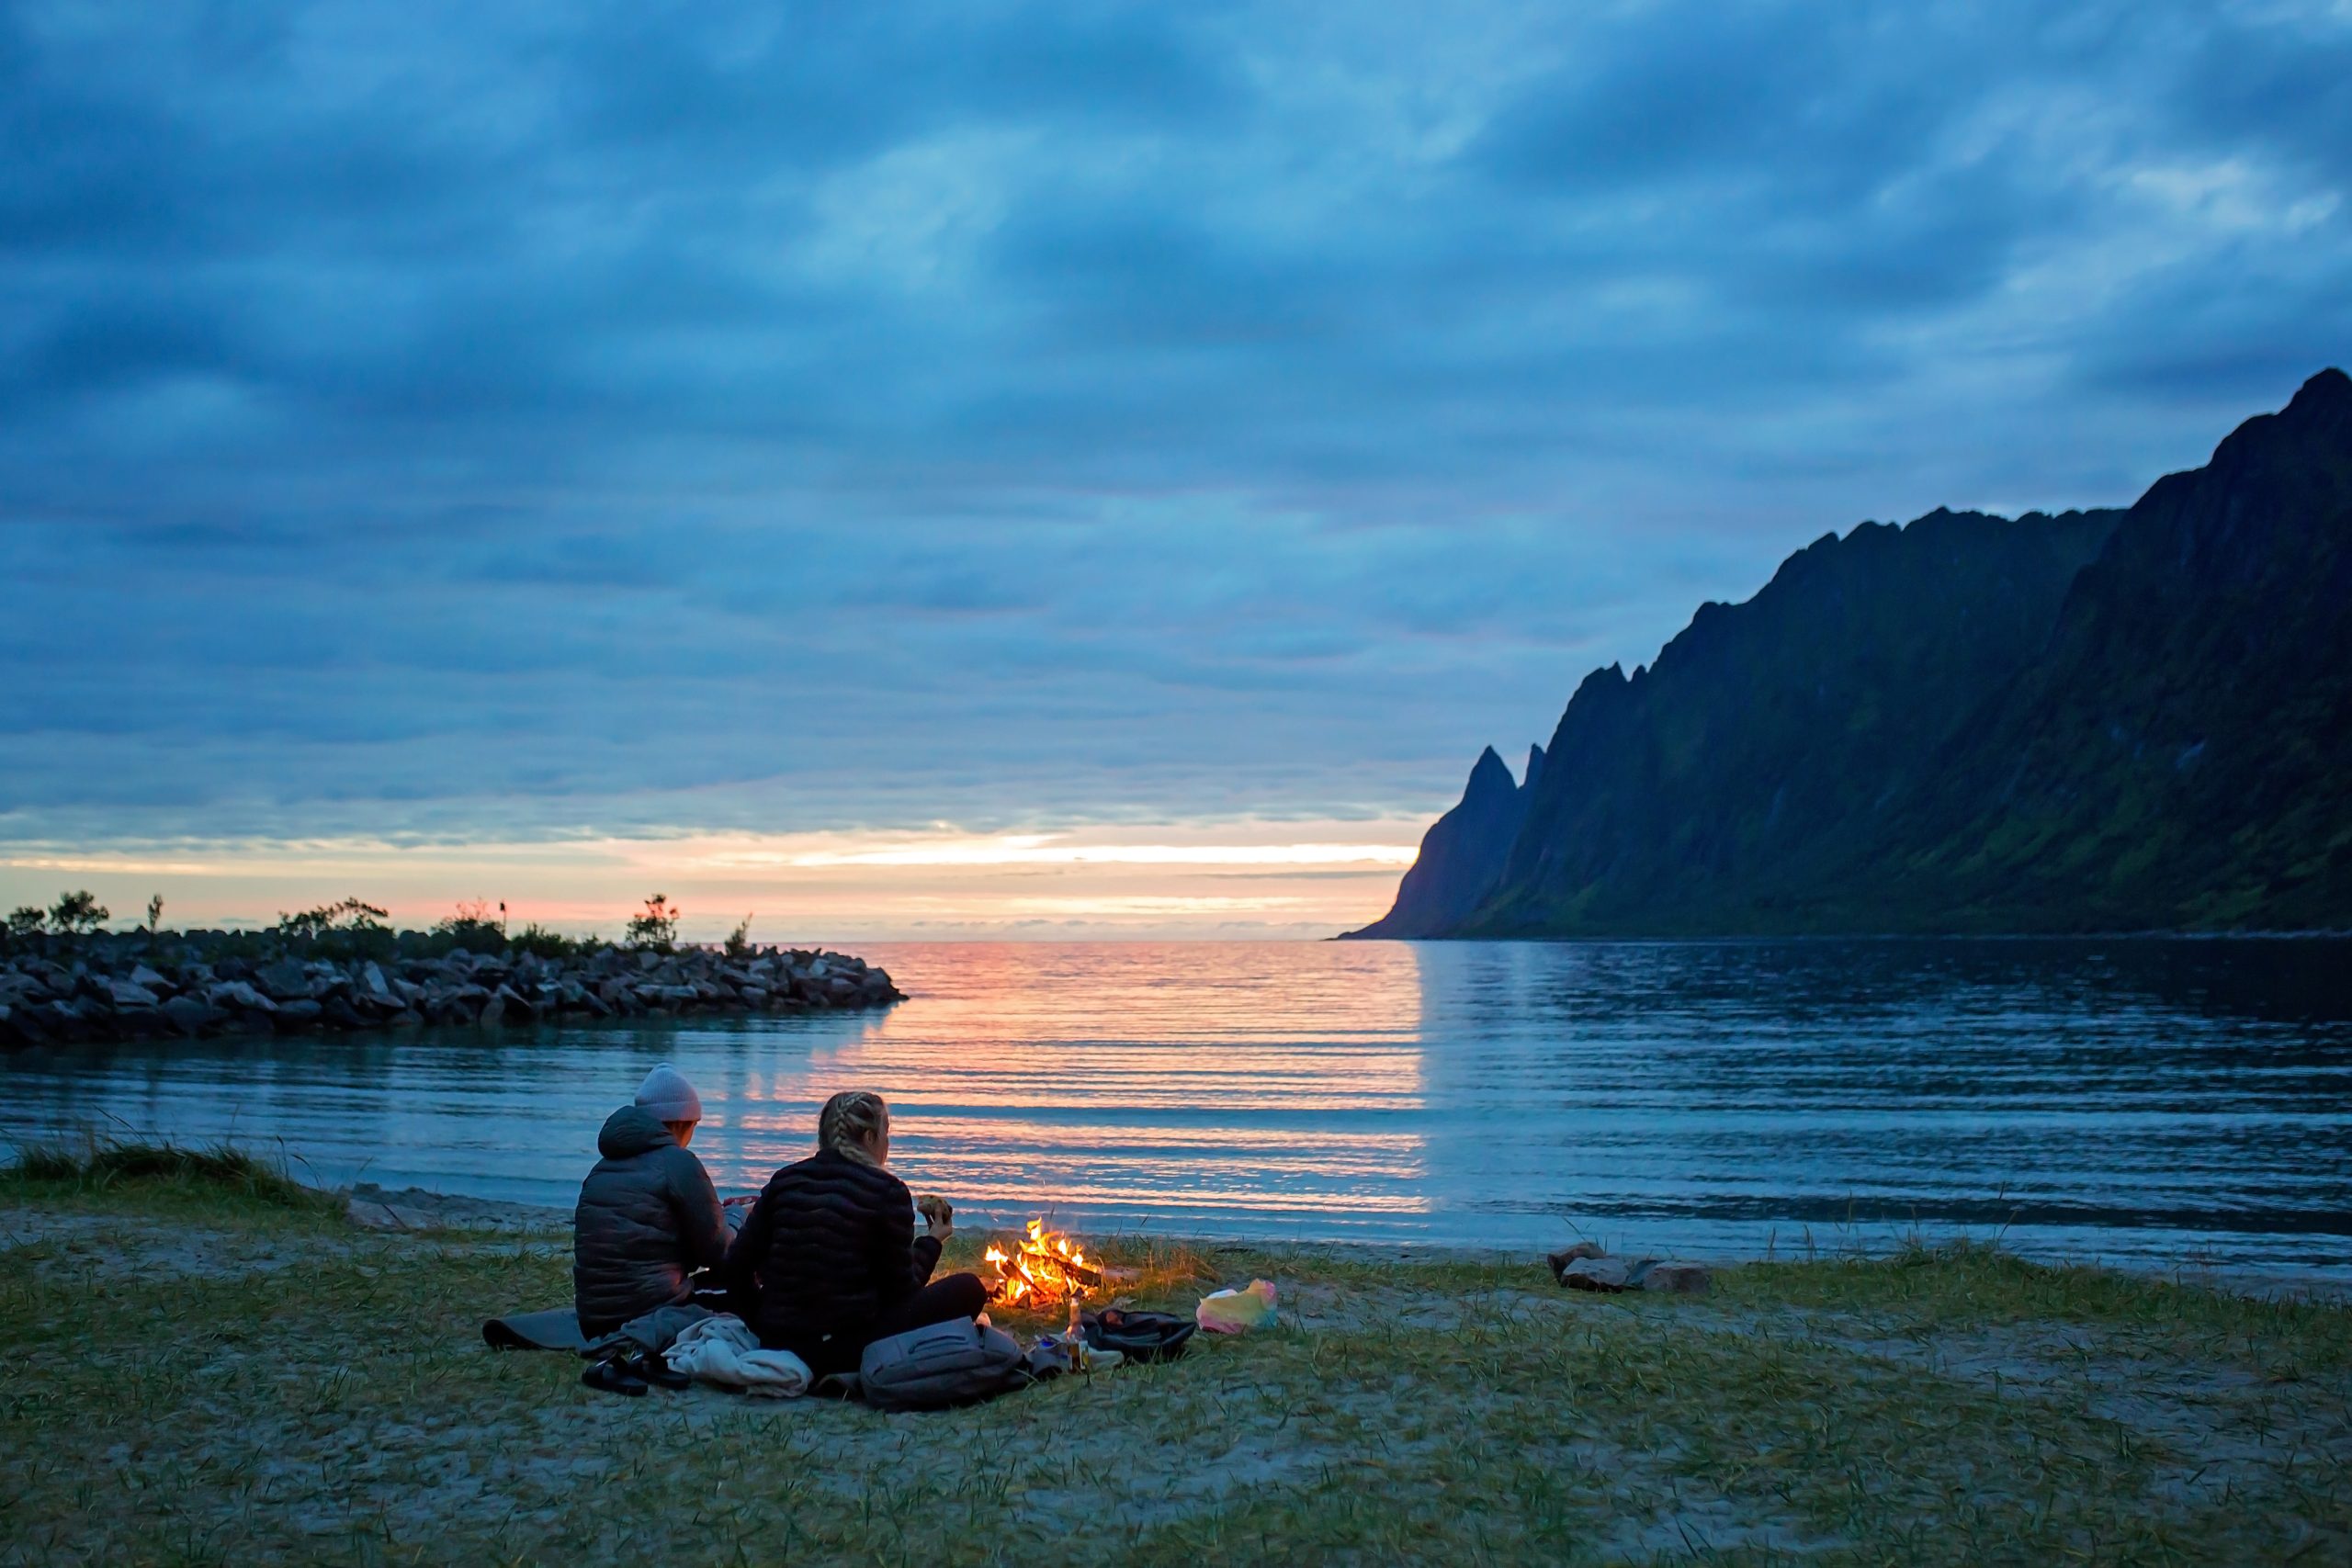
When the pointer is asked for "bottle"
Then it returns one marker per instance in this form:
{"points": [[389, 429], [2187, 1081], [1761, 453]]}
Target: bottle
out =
{"points": [[1076, 1337]]}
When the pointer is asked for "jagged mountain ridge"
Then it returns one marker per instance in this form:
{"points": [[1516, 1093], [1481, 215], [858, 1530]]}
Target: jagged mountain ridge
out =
{"points": [[2099, 720]]}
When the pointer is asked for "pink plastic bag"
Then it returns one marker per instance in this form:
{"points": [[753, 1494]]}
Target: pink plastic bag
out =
{"points": [[1230, 1312]]}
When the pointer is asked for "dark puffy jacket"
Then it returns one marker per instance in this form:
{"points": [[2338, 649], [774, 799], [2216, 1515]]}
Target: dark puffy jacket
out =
{"points": [[829, 1249], [647, 1217]]}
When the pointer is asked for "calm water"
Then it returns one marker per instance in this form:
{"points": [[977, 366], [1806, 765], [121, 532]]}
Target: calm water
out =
{"points": [[2145, 1100]]}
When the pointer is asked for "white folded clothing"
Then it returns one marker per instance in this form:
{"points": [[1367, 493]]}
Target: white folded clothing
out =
{"points": [[722, 1350]]}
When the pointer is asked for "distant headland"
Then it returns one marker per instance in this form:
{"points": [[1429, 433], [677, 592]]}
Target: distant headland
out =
{"points": [[2110, 720]]}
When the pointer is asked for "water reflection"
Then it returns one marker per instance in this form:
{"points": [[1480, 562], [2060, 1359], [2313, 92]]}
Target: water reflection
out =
{"points": [[2149, 1099]]}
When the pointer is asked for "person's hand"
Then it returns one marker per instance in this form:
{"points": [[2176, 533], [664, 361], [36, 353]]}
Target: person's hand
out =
{"points": [[938, 1214]]}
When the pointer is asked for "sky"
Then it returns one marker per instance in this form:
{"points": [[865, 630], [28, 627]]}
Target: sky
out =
{"points": [[1036, 470]]}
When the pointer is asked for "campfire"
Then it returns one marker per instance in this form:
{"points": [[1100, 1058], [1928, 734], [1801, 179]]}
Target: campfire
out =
{"points": [[1042, 1271]]}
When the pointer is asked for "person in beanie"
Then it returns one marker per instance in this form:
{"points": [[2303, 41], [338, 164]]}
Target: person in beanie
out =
{"points": [[648, 1216]]}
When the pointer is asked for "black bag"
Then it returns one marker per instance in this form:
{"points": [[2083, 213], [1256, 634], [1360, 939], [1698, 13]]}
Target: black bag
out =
{"points": [[1137, 1336]]}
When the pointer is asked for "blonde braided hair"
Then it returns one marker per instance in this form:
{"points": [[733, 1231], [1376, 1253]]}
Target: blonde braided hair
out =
{"points": [[848, 1119]]}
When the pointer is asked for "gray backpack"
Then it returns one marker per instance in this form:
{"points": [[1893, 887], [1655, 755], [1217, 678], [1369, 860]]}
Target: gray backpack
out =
{"points": [[947, 1363]]}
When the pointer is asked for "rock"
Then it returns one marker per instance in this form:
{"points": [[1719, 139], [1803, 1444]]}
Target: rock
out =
{"points": [[1612, 1275], [58, 1019], [372, 1215], [18, 1027], [111, 988], [1583, 1250], [190, 1016], [416, 1208], [124, 994], [284, 981], [239, 993], [1609, 1275], [1681, 1278]]}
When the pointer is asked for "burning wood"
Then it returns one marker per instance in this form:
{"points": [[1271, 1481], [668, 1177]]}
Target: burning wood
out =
{"points": [[1042, 1271]]}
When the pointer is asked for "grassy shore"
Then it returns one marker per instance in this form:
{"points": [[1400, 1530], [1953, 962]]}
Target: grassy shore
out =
{"points": [[208, 1364]]}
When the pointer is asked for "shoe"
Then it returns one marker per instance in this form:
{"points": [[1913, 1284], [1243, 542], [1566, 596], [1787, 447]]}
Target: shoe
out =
{"points": [[613, 1377], [653, 1370]]}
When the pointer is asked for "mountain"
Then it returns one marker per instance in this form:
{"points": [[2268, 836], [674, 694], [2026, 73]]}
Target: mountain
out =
{"points": [[2096, 721], [1462, 855], [2181, 756]]}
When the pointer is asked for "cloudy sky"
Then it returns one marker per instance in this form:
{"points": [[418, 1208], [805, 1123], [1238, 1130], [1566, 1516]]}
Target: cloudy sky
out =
{"points": [[906, 469]]}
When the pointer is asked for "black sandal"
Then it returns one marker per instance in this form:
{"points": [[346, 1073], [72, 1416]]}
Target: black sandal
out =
{"points": [[614, 1376]]}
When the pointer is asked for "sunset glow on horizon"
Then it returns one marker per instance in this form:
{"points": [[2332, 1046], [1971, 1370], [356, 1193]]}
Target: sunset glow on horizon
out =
{"points": [[1154, 882]]}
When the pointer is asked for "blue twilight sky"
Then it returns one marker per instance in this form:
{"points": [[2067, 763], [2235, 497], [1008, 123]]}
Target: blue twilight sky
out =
{"points": [[453, 447]]}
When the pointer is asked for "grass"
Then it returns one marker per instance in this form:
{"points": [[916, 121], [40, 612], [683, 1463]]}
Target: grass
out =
{"points": [[166, 1173], [257, 1381]]}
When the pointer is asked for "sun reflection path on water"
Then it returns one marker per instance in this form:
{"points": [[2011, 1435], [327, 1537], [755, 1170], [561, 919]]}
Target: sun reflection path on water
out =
{"points": [[1234, 1094], [2166, 1103]]}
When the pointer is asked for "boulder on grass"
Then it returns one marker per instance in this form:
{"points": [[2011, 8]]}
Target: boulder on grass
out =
{"points": [[1612, 1276], [1678, 1278], [1608, 1275], [1583, 1250]]}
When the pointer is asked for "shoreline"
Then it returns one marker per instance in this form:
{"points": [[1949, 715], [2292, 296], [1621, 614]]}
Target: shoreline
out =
{"points": [[419, 1211]]}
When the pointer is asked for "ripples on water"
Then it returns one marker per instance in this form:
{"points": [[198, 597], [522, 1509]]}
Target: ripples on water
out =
{"points": [[2153, 1100]]}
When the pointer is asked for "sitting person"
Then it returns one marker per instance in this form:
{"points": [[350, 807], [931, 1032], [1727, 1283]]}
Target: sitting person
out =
{"points": [[828, 1261], [648, 1216]]}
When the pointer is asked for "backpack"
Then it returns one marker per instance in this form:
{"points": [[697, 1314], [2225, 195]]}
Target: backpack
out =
{"points": [[947, 1363], [1138, 1336]]}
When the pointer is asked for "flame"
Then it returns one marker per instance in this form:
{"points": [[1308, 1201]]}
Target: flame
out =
{"points": [[1042, 1269]]}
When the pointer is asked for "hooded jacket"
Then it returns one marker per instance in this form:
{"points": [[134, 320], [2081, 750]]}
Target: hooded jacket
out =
{"points": [[829, 1251], [647, 1217]]}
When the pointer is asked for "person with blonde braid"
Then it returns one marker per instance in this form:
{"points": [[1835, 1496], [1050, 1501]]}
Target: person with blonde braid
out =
{"points": [[828, 1261]]}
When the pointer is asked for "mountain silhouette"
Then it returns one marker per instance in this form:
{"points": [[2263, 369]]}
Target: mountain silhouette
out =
{"points": [[2102, 720]]}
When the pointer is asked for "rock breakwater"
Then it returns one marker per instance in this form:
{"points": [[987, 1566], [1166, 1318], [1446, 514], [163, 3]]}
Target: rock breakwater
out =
{"points": [[101, 988]]}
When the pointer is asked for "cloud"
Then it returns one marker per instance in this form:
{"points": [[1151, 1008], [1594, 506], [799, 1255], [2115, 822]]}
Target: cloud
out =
{"points": [[460, 421]]}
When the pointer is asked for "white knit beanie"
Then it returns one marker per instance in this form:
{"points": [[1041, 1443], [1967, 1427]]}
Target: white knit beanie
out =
{"points": [[667, 1094]]}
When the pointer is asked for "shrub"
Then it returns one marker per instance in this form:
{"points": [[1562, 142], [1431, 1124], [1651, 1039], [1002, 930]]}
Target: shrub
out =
{"points": [[76, 913], [350, 915], [537, 938], [657, 928], [346, 929], [473, 929], [26, 920], [738, 941]]}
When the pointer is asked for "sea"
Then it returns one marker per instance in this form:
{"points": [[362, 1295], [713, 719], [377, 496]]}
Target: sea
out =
{"points": [[2167, 1104]]}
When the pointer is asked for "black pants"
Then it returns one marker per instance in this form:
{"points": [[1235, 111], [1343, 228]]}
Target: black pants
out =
{"points": [[942, 1301]]}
